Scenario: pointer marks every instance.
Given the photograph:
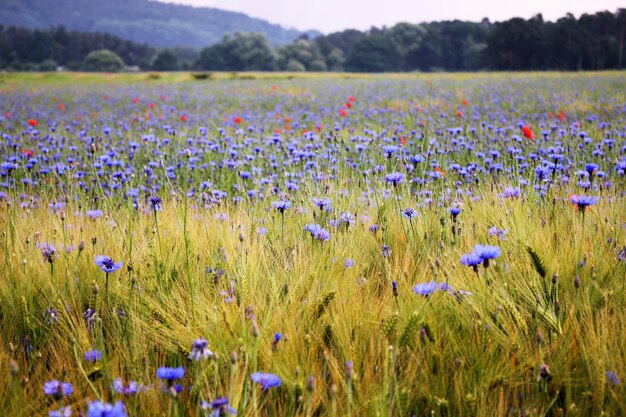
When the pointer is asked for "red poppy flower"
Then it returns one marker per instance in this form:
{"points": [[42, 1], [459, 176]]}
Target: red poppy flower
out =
{"points": [[238, 119], [464, 102], [351, 99], [27, 152], [183, 118], [459, 113], [402, 140], [151, 105], [61, 106], [343, 113], [528, 132], [33, 122], [348, 104], [135, 100]]}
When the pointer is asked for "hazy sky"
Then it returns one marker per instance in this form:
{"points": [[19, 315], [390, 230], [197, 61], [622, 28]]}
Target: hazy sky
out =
{"points": [[333, 15]]}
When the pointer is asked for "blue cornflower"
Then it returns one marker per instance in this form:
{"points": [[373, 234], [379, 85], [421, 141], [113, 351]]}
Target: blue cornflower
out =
{"points": [[395, 178], [48, 251], [58, 389], [324, 204], [62, 412], [455, 211], [220, 406], [409, 213], [500, 233], [582, 201], [510, 192], [100, 409], [612, 378], [130, 389], [277, 338], [8, 166], [486, 252], [93, 356], [348, 263], [107, 264], [591, 168], [317, 232], [170, 374], [281, 206], [471, 259], [266, 381], [94, 214], [200, 350], [156, 203], [347, 218], [426, 288], [386, 251], [374, 228]]}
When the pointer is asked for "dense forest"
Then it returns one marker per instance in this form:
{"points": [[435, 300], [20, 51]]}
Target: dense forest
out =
{"points": [[591, 42]]}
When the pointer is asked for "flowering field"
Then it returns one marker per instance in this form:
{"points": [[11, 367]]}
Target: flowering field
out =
{"points": [[399, 246]]}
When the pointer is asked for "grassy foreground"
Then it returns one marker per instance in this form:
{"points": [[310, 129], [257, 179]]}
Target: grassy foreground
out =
{"points": [[345, 322]]}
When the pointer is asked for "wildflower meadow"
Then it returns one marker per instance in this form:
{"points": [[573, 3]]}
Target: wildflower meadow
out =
{"points": [[317, 245]]}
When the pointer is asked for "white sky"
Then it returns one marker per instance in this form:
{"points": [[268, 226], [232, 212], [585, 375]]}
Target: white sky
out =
{"points": [[334, 15]]}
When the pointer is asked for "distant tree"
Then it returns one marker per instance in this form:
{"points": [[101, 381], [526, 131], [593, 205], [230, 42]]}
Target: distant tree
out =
{"points": [[372, 53], [48, 65], [165, 60], [295, 66], [212, 58], [406, 38], [304, 52], [103, 60], [335, 60], [248, 52]]}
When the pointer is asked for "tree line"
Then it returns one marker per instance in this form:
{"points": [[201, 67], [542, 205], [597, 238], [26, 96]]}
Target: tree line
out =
{"points": [[591, 42]]}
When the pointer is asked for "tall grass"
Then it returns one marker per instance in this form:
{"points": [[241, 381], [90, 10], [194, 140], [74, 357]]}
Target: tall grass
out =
{"points": [[534, 333]]}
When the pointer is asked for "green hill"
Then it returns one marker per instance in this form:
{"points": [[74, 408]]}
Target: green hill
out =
{"points": [[152, 22]]}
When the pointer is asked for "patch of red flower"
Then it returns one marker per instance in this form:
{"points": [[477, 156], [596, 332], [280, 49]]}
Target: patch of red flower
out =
{"points": [[464, 102], [61, 106], [7, 115], [343, 113], [33, 122], [27, 153], [135, 100], [151, 105], [348, 104], [439, 170], [403, 140], [183, 118], [459, 113], [238, 119], [528, 133], [352, 99]]}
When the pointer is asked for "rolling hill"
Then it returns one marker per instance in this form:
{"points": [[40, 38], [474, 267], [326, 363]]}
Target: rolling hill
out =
{"points": [[158, 24]]}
